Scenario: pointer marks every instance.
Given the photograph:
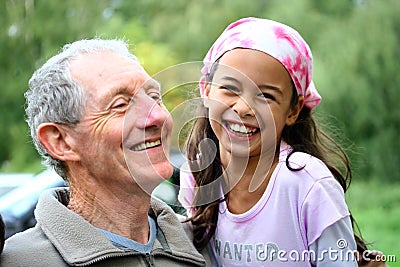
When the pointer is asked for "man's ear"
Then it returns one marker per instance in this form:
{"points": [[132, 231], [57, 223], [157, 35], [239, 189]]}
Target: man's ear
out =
{"points": [[54, 138], [295, 111]]}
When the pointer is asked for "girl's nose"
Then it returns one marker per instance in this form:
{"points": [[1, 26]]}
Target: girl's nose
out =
{"points": [[242, 107]]}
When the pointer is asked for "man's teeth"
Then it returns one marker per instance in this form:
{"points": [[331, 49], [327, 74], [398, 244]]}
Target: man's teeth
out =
{"points": [[241, 129], [146, 145]]}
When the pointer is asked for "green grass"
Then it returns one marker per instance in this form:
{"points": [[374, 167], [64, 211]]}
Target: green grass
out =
{"points": [[376, 208]]}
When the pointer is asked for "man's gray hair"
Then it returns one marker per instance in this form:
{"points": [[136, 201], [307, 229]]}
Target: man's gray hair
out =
{"points": [[54, 97]]}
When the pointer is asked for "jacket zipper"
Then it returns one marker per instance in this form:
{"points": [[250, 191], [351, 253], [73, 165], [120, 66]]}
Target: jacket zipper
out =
{"points": [[149, 258]]}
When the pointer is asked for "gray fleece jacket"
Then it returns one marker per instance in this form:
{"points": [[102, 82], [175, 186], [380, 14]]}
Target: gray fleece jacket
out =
{"points": [[63, 238]]}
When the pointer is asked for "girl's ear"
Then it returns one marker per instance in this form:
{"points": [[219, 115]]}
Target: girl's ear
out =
{"points": [[295, 111], [206, 94], [56, 140]]}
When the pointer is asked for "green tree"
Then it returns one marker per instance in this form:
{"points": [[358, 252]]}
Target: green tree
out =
{"points": [[30, 31], [358, 65], [354, 43]]}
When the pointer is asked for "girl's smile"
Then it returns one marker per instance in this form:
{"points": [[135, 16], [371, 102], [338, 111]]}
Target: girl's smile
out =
{"points": [[249, 102], [240, 129]]}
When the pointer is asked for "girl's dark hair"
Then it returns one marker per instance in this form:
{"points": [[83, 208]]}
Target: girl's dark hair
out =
{"points": [[303, 136], [2, 234]]}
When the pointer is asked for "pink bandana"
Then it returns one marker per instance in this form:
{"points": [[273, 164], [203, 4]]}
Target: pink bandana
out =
{"points": [[279, 41]]}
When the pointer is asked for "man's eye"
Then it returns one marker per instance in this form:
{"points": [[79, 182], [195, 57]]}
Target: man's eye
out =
{"points": [[120, 104], [156, 97]]}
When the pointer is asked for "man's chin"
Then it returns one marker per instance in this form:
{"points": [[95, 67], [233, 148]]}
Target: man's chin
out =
{"points": [[150, 179], [166, 172]]}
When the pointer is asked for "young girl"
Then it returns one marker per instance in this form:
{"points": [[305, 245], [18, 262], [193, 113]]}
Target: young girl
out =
{"points": [[266, 185]]}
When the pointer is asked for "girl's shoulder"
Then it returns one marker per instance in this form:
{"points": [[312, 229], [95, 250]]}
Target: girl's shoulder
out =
{"points": [[304, 164], [308, 176]]}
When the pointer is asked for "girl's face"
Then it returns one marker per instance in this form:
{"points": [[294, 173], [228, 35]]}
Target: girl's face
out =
{"points": [[249, 102]]}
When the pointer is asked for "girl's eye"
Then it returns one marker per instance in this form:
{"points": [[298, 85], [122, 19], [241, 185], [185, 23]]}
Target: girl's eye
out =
{"points": [[230, 88], [268, 96]]}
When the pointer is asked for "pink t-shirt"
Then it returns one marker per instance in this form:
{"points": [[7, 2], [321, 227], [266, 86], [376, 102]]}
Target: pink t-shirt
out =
{"points": [[295, 209]]}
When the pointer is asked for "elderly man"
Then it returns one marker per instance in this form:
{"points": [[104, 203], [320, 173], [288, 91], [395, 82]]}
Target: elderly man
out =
{"points": [[97, 118]]}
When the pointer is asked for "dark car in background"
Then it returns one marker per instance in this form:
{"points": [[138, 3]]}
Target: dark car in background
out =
{"points": [[19, 194]]}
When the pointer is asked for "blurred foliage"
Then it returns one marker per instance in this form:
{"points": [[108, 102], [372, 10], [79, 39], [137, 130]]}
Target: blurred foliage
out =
{"points": [[31, 31], [377, 214], [354, 43]]}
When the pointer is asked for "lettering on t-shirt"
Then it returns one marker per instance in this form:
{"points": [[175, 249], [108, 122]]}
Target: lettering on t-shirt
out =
{"points": [[246, 252]]}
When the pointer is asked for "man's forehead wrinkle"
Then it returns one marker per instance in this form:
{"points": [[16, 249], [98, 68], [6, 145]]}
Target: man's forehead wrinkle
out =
{"points": [[130, 86]]}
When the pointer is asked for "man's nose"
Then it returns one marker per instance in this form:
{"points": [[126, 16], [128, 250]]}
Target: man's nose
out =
{"points": [[242, 107], [152, 111]]}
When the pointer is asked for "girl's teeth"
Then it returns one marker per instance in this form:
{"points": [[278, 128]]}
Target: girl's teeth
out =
{"points": [[241, 129]]}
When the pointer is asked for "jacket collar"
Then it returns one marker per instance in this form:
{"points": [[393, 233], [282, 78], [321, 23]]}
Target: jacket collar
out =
{"points": [[79, 243]]}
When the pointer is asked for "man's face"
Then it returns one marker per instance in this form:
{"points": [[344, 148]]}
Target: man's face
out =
{"points": [[126, 129]]}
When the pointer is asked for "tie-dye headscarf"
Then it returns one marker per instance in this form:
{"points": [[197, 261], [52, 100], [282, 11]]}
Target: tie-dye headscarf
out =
{"points": [[279, 41]]}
